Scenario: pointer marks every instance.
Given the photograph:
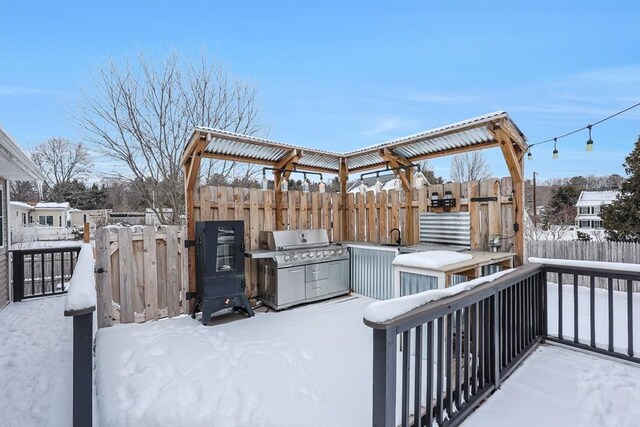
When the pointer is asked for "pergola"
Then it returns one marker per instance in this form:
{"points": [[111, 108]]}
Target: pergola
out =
{"points": [[487, 131]]}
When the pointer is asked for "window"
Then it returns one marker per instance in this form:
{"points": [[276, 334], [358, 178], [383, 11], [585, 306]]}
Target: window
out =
{"points": [[588, 210], [46, 220], [2, 217], [24, 218]]}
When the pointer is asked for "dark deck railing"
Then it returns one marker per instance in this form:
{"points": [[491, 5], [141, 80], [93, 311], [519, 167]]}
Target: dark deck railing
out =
{"points": [[469, 343], [41, 272]]}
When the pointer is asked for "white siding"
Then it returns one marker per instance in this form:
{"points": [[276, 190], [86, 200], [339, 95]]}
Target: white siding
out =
{"points": [[4, 246]]}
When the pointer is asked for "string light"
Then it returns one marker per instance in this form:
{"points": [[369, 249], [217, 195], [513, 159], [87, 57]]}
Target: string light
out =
{"points": [[305, 183], [378, 186], [530, 155], [589, 146]]}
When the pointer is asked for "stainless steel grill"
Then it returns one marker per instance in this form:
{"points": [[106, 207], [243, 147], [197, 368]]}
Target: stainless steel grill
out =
{"points": [[298, 266]]}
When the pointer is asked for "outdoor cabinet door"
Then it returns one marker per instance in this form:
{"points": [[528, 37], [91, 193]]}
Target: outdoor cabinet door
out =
{"points": [[290, 285], [338, 276]]}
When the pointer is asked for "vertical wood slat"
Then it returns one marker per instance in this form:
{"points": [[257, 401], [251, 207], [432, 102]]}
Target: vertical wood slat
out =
{"points": [[172, 272], [336, 217], [125, 256], [383, 229], [326, 223], [372, 228], [103, 280], [360, 217], [150, 274], [184, 270]]}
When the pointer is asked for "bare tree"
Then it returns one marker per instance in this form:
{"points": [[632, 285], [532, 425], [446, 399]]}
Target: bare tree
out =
{"points": [[141, 113], [469, 167], [62, 162]]}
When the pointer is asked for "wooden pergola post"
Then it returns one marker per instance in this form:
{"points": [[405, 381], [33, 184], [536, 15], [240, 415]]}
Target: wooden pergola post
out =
{"points": [[191, 162], [513, 152], [344, 176], [406, 177]]}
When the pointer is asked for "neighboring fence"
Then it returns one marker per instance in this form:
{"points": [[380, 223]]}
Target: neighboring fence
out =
{"points": [[43, 271], [370, 217], [489, 329], [141, 273], [588, 251]]}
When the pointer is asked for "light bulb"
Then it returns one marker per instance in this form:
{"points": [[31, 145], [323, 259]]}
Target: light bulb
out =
{"points": [[397, 184], [265, 181], [530, 156], [589, 146], [555, 154], [284, 185], [305, 186], [362, 188], [378, 186]]}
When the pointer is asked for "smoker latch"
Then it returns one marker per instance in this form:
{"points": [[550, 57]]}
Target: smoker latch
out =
{"points": [[188, 243]]}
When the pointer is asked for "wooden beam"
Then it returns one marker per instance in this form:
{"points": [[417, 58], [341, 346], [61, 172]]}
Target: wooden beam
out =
{"points": [[344, 177], [510, 156], [292, 157]]}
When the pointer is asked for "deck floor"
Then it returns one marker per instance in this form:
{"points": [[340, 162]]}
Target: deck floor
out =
{"points": [[556, 386]]}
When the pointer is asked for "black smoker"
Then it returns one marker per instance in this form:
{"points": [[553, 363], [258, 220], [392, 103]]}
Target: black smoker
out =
{"points": [[220, 281]]}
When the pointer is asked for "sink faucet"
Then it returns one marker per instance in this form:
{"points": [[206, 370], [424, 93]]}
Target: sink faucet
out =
{"points": [[399, 239]]}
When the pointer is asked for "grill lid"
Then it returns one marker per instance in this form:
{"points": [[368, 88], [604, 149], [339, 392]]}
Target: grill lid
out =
{"points": [[293, 239]]}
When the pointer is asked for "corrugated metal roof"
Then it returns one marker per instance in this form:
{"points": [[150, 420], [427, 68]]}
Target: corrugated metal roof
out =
{"points": [[442, 140]]}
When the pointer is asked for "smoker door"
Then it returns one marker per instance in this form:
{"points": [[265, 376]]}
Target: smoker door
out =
{"points": [[219, 248], [291, 286]]}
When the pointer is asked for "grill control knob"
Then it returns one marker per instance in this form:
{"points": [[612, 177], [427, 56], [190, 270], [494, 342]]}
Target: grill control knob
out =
{"points": [[339, 251], [294, 257], [325, 253], [303, 256], [310, 254], [287, 258], [332, 253], [318, 254]]}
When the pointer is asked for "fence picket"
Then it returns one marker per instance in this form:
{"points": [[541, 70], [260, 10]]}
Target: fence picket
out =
{"points": [[127, 281], [150, 274]]}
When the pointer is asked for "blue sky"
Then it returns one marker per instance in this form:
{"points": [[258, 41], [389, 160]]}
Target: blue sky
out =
{"points": [[342, 75]]}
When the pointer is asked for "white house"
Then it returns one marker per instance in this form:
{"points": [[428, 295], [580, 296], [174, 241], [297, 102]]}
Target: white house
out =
{"points": [[588, 206], [92, 216], [388, 182], [15, 165]]}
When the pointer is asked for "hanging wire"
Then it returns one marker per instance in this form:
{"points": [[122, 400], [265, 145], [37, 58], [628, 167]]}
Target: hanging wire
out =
{"points": [[555, 139]]}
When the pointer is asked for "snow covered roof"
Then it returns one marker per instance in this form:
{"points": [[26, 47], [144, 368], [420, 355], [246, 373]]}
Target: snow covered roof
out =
{"points": [[52, 205], [475, 132], [21, 205], [596, 198], [14, 163]]}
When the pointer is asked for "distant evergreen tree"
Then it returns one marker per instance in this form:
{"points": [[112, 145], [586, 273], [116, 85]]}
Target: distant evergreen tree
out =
{"points": [[621, 218], [561, 209]]}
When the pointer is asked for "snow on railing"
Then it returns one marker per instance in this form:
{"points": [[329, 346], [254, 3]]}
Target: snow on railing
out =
{"points": [[81, 297]]}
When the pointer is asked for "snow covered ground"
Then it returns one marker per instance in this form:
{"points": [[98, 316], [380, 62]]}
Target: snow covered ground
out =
{"points": [[561, 387], [35, 364]]}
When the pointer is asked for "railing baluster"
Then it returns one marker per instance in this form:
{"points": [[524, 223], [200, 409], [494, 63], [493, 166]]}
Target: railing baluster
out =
{"points": [[440, 367], [512, 323], [53, 272], [545, 305], [406, 373], [503, 329], [467, 360], [575, 308], [449, 340], [458, 359], [417, 383], [630, 317], [476, 345], [429, 392], [42, 282], [481, 343], [62, 271], [592, 314], [518, 326], [610, 294], [560, 306], [384, 376], [33, 274], [527, 312]]}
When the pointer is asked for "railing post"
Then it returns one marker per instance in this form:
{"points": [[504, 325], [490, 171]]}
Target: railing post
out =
{"points": [[82, 367], [384, 377], [18, 276]]}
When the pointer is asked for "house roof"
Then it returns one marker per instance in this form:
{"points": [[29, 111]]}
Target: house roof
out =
{"points": [[21, 204], [474, 133], [52, 205], [596, 198], [15, 165]]}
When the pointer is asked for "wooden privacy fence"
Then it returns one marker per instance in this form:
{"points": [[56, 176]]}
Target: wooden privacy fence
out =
{"points": [[370, 217], [588, 251], [141, 273]]}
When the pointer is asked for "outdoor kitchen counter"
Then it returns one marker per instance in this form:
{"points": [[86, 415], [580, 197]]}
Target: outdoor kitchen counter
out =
{"points": [[471, 268], [403, 249]]}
